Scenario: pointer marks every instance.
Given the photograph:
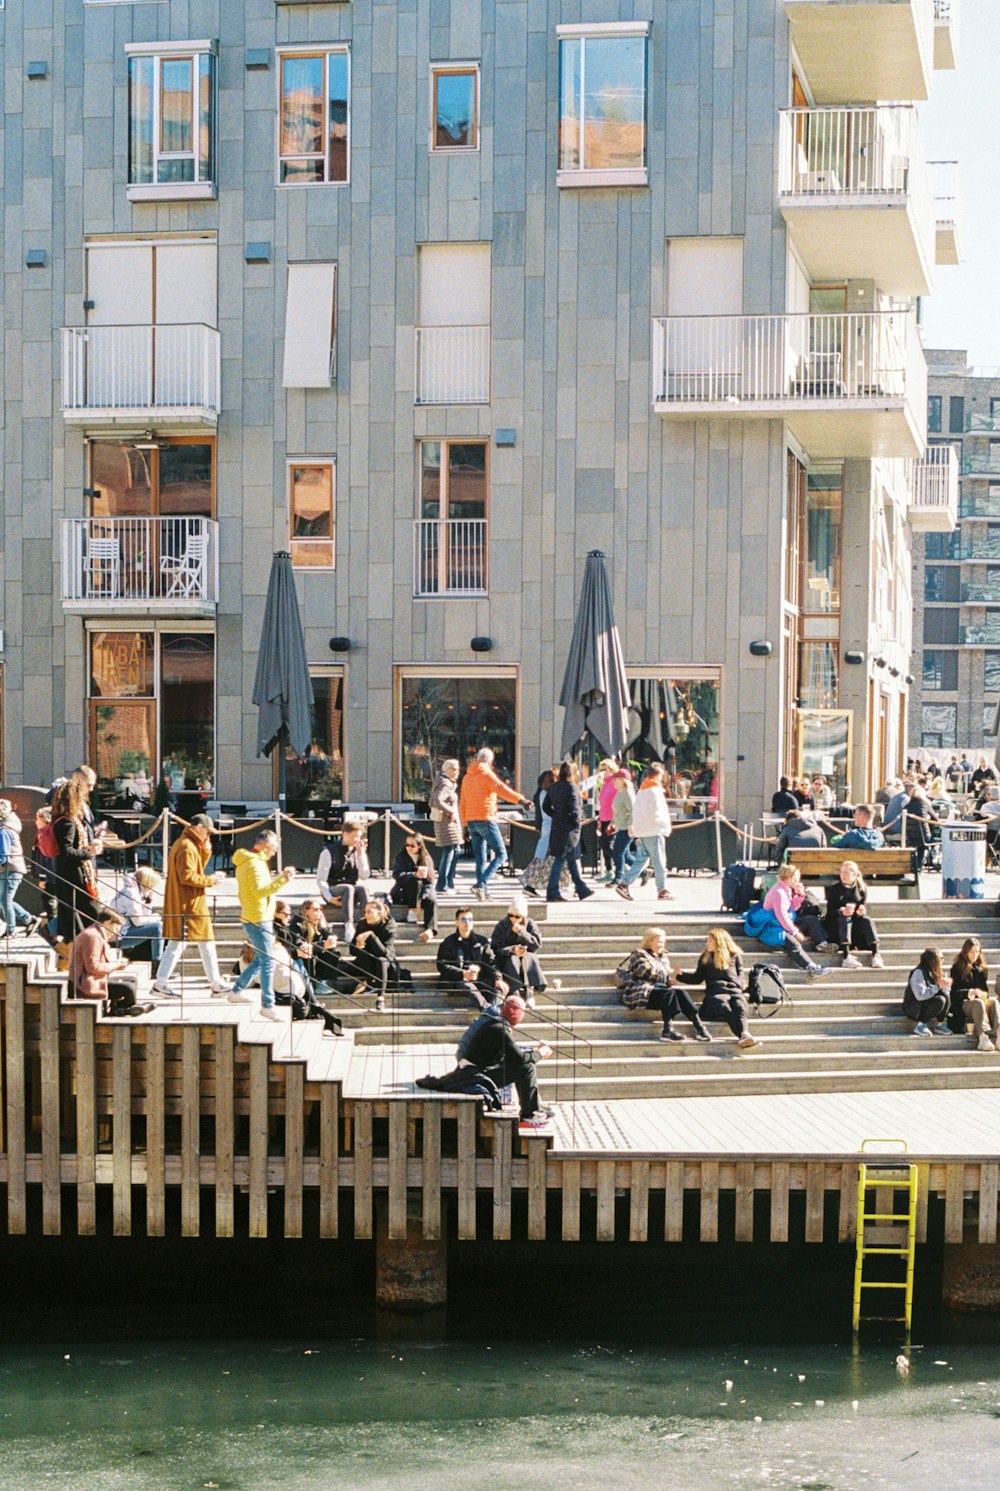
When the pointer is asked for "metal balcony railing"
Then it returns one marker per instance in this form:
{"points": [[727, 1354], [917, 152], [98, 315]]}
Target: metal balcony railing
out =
{"points": [[983, 594], [981, 463], [112, 563], [449, 557], [944, 190], [452, 365], [828, 360], [934, 484], [140, 368], [982, 635]]}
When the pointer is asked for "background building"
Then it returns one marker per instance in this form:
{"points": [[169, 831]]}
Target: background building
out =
{"points": [[444, 296], [957, 575]]}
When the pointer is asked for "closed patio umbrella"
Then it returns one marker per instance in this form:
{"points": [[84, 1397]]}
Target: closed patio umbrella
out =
{"points": [[594, 691], [996, 727], [282, 690]]}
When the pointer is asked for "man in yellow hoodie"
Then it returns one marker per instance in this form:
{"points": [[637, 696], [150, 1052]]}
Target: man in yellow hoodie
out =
{"points": [[258, 890]]}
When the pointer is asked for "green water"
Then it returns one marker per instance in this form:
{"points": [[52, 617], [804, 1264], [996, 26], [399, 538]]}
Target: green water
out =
{"points": [[318, 1414]]}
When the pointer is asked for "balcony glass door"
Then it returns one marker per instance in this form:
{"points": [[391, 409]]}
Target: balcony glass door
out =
{"points": [[826, 373], [451, 552]]}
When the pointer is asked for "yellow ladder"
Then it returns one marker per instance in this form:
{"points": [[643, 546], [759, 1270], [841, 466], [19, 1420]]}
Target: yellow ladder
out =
{"points": [[895, 1232]]}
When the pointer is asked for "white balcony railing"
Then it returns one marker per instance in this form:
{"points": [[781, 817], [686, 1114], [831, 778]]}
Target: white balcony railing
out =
{"points": [[453, 365], [788, 360], [944, 188], [117, 563], [449, 556], [126, 369], [945, 33], [934, 490]]}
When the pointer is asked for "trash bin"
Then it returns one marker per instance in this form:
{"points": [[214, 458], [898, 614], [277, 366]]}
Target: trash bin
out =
{"points": [[963, 861]]}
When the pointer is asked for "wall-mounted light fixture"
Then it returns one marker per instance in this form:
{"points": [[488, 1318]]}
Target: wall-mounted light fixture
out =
{"points": [[36, 259], [761, 649], [257, 253], [482, 644], [854, 656], [257, 57], [38, 70], [909, 680], [340, 644], [880, 661]]}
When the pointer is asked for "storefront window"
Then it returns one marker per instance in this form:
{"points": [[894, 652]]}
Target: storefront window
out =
{"points": [[319, 775], [676, 720], [187, 709], [938, 725], [825, 747], [819, 681], [455, 716]]}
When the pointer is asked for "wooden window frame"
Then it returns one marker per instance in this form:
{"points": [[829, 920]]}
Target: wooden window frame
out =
{"points": [[454, 69], [325, 52], [154, 488], [328, 462], [445, 670], [326, 670]]}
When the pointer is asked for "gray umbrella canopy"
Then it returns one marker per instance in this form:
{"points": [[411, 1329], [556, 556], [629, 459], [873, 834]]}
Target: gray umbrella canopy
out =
{"points": [[996, 728], [594, 692], [283, 690]]}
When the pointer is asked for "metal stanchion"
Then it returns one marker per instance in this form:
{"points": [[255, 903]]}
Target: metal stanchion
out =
{"points": [[277, 830], [718, 841], [386, 850], [166, 839]]}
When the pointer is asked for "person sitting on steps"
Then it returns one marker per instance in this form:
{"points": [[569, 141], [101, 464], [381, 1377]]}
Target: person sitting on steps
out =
{"points": [[373, 946], [783, 901], [846, 919], [516, 942], [720, 969], [93, 966], [971, 999], [648, 982], [413, 883], [467, 963], [926, 998]]}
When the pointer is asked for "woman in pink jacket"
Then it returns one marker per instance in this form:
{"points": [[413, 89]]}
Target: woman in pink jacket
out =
{"points": [[783, 900]]}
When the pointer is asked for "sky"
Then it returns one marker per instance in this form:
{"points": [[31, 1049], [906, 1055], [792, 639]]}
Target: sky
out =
{"points": [[961, 121]]}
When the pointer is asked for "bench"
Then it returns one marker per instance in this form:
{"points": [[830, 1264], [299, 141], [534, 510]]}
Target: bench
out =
{"points": [[875, 864]]}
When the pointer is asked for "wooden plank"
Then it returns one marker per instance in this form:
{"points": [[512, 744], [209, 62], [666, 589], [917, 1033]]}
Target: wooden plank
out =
{"points": [[258, 1140], [363, 1169], [673, 1201], [294, 1146], [329, 1160], [537, 1160], [431, 1169], [398, 1144], [709, 1224], [638, 1206], [121, 1130], [954, 1203], [744, 1201], [848, 1218], [815, 1192], [989, 1173], [190, 1132], [17, 1218], [225, 1135], [923, 1200], [779, 1201], [605, 1201], [502, 1171], [86, 1124], [466, 1177], [571, 1201], [51, 1144]]}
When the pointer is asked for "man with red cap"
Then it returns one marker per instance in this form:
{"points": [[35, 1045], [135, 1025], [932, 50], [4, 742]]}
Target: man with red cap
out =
{"points": [[492, 1050]]}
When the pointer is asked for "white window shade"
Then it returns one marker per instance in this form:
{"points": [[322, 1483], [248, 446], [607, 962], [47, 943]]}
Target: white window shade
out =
{"points": [[454, 284], [705, 276], [310, 325]]}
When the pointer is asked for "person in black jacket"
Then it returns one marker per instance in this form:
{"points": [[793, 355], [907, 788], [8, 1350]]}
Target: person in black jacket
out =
{"points": [[492, 1050], [467, 964], [516, 941], [413, 883], [847, 920], [785, 800], [969, 980], [343, 865], [75, 872], [374, 949], [720, 969], [315, 945], [564, 805], [300, 993]]}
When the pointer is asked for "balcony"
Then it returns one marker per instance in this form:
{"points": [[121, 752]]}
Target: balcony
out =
{"points": [[453, 365], [945, 35], [979, 506], [853, 51], [986, 634], [845, 385], [944, 186], [934, 491], [983, 465], [855, 191], [449, 558], [983, 424], [140, 566], [981, 593], [115, 376]]}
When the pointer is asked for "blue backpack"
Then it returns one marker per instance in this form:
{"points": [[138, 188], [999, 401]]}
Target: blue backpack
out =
{"points": [[763, 925]]}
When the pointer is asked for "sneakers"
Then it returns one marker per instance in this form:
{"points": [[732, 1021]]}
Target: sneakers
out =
{"points": [[941, 1030], [221, 986], [529, 999], [349, 930], [164, 990], [748, 1042], [555, 984], [427, 935], [623, 891], [826, 947], [268, 1012], [877, 960], [664, 895], [236, 997], [672, 1035], [411, 916], [380, 1002], [850, 961], [539, 1120], [985, 1044], [817, 972], [702, 1034], [921, 1029], [479, 891]]}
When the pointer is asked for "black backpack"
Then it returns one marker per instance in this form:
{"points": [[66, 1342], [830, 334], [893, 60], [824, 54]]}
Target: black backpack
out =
{"points": [[739, 885], [766, 990]]}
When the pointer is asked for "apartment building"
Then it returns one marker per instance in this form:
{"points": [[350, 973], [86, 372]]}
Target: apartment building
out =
{"points": [[956, 575], [441, 296]]}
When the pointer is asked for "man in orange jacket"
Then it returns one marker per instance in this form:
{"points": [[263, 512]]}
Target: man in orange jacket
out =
{"points": [[477, 805]]}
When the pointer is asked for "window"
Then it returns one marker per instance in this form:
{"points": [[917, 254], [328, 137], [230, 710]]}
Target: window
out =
{"points": [[319, 775], [602, 105], [454, 714], [454, 106], [934, 414], [940, 671], [171, 119], [310, 326], [943, 545], [994, 408], [938, 725], [314, 117], [941, 626], [311, 491], [956, 414], [453, 328], [989, 719], [450, 547], [675, 718], [991, 672], [942, 582]]}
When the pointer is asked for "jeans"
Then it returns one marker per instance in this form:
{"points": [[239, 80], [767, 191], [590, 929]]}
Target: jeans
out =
{"points": [[134, 932], [13, 914], [571, 859], [486, 840], [446, 868], [795, 952], [353, 900], [653, 850], [619, 852], [260, 936]]}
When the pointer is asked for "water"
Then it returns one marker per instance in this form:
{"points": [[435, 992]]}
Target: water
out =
{"points": [[359, 1415]]}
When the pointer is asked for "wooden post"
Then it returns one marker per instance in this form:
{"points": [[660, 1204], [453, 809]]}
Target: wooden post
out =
{"points": [[779, 1201], [86, 1122], [51, 1146], [988, 1176], [190, 1131], [16, 1096], [537, 1160], [709, 1220], [329, 1160], [258, 1141], [432, 1168], [362, 1169], [156, 1134], [954, 1202], [638, 1212], [294, 1146], [502, 1163], [815, 1193], [467, 1115], [225, 1140], [673, 1201], [397, 1170], [121, 1130], [571, 1201], [605, 1201], [744, 1201]]}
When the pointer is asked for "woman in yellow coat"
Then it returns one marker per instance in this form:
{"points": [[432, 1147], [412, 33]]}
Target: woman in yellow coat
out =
{"points": [[185, 909]]}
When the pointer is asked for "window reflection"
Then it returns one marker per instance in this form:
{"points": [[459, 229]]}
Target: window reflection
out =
{"points": [[602, 103], [443, 717], [676, 721]]}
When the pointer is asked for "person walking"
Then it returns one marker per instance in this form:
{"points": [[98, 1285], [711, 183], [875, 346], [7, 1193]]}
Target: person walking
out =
{"points": [[651, 828], [12, 871], [75, 872], [564, 805], [258, 891], [621, 822], [481, 787], [536, 873], [447, 823], [185, 910], [607, 776]]}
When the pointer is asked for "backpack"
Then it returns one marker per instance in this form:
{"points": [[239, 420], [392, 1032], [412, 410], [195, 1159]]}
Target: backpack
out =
{"points": [[45, 840], [764, 926], [766, 990], [738, 885], [6, 846]]}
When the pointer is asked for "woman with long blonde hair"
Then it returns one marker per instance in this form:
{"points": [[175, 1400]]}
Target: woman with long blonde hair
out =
{"points": [[720, 969]]}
